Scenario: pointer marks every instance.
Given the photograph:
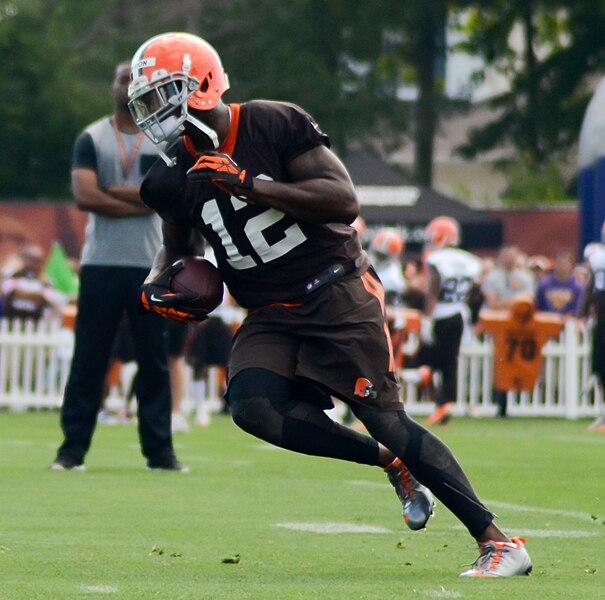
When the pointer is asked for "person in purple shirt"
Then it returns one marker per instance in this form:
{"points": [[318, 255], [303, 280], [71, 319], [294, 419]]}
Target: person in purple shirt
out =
{"points": [[560, 291]]}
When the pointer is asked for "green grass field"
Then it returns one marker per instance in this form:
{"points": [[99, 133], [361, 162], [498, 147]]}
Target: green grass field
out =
{"points": [[119, 531]]}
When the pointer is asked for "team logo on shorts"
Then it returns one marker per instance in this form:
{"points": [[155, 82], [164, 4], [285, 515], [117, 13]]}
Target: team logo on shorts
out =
{"points": [[364, 388]]}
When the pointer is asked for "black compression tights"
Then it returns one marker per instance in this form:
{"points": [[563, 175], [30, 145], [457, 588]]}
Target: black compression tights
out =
{"points": [[430, 461], [267, 406]]}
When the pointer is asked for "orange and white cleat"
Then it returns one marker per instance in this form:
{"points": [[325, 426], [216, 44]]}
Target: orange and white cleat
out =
{"points": [[598, 424], [416, 500], [501, 559], [441, 416]]}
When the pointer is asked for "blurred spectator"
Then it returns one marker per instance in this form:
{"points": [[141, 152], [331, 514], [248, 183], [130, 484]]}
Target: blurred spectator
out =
{"points": [[26, 293], [559, 291], [476, 297], [540, 266], [507, 280], [500, 288], [581, 272], [122, 352], [177, 338], [210, 346], [385, 252]]}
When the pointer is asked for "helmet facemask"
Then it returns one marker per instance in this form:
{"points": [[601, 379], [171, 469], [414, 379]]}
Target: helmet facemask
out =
{"points": [[159, 108]]}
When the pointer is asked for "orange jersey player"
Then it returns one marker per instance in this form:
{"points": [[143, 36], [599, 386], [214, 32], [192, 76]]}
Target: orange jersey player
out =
{"points": [[519, 335]]}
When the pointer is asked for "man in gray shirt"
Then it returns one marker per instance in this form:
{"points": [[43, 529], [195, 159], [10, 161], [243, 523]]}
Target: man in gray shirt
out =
{"points": [[500, 289], [110, 160], [507, 280]]}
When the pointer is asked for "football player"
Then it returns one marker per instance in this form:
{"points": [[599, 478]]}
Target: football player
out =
{"points": [[451, 274], [386, 250], [258, 181], [592, 304]]}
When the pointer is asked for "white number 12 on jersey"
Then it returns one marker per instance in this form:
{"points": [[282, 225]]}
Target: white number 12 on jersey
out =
{"points": [[293, 235]]}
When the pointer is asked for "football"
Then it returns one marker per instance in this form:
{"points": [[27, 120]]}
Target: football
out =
{"points": [[200, 277]]}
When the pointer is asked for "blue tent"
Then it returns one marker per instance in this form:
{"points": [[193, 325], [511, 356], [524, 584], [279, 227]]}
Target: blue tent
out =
{"points": [[591, 181]]}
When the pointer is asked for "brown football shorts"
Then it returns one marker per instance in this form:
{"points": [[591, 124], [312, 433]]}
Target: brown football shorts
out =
{"points": [[336, 338]]}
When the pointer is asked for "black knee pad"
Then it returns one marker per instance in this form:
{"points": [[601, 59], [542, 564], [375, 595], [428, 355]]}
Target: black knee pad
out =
{"points": [[251, 408]]}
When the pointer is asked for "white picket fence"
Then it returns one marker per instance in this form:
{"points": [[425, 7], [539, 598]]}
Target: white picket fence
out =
{"points": [[565, 387], [35, 360], [34, 363]]}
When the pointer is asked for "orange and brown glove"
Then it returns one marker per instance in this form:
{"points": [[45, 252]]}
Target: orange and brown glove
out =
{"points": [[221, 170], [157, 297]]}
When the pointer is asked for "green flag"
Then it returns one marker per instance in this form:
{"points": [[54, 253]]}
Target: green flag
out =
{"points": [[59, 271]]}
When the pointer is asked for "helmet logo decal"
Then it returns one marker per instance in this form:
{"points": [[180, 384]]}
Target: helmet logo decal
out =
{"points": [[145, 62], [364, 388]]}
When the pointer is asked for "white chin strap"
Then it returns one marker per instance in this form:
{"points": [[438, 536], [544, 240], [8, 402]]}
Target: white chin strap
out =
{"points": [[211, 133]]}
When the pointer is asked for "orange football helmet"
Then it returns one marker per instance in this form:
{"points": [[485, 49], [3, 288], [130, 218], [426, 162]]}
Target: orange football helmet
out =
{"points": [[442, 232], [388, 241], [172, 73]]}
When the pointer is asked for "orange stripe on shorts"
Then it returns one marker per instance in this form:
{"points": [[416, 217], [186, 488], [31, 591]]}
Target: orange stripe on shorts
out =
{"points": [[369, 282]]}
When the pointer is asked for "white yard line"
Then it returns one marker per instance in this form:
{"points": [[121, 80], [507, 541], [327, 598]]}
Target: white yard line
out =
{"points": [[440, 593], [99, 589], [332, 528]]}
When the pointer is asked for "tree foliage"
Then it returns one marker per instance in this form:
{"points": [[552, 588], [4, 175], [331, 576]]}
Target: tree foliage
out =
{"points": [[562, 48], [344, 61]]}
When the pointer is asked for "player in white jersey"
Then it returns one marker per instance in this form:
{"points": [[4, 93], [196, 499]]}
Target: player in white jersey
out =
{"points": [[451, 274], [385, 251], [592, 305]]}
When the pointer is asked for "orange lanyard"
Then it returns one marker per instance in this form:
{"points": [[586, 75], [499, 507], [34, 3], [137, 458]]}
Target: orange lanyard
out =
{"points": [[126, 161]]}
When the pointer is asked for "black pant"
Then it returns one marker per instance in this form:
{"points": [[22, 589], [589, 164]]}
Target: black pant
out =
{"points": [[442, 354], [105, 294]]}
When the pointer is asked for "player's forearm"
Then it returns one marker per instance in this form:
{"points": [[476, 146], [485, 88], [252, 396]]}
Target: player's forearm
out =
{"points": [[104, 204], [313, 200], [126, 193]]}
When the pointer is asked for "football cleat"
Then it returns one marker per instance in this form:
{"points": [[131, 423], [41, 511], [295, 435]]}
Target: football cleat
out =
{"points": [[178, 423], [66, 464], [500, 559], [416, 500], [441, 416], [169, 463], [598, 424]]}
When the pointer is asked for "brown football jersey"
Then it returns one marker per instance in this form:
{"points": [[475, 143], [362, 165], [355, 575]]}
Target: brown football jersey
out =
{"points": [[264, 255]]}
